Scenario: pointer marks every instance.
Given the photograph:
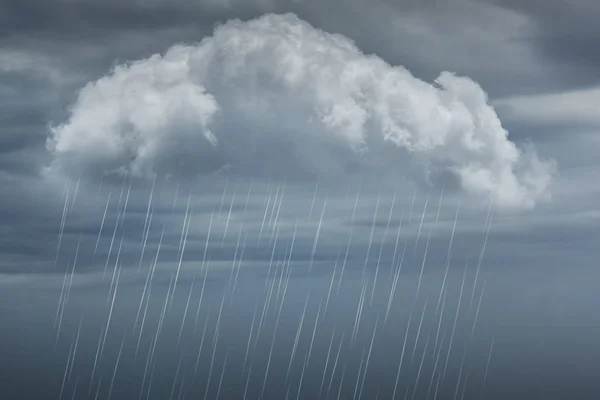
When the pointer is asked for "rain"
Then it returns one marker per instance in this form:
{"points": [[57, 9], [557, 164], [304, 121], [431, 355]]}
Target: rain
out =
{"points": [[241, 296], [292, 200]]}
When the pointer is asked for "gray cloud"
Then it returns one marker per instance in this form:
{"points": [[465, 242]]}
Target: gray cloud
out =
{"points": [[471, 38], [566, 34]]}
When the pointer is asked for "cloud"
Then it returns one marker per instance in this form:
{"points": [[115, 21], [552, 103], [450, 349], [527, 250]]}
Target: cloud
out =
{"points": [[571, 108], [565, 34], [275, 96]]}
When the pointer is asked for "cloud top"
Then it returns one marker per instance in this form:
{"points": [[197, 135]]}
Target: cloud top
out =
{"points": [[275, 96]]}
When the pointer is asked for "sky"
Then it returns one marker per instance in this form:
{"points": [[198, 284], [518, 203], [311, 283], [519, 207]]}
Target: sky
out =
{"points": [[297, 199]]}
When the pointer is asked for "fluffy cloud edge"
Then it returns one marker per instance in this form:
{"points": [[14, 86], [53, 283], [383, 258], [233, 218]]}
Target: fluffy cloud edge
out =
{"points": [[260, 88]]}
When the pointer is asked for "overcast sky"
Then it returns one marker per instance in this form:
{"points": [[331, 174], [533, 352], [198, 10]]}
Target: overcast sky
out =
{"points": [[127, 125], [523, 70]]}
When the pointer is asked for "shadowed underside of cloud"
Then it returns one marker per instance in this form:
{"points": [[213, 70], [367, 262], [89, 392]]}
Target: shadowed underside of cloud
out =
{"points": [[274, 96]]}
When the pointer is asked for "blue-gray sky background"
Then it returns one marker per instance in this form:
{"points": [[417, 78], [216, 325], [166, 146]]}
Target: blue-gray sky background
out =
{"points": [[269, 130]]}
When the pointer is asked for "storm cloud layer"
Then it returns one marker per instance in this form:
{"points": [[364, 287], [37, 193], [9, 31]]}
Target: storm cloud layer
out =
{"points": [[291, 199], [276, 96]]}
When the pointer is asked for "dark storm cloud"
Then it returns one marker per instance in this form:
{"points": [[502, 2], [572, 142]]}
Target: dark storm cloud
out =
{"points": [[68, 17], [396, 31], [510, 32], [33, 91], [567, 34]]}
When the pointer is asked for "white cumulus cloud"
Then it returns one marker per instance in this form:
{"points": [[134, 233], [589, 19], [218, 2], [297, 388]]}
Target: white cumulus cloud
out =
{"points": [[274, 96]]}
